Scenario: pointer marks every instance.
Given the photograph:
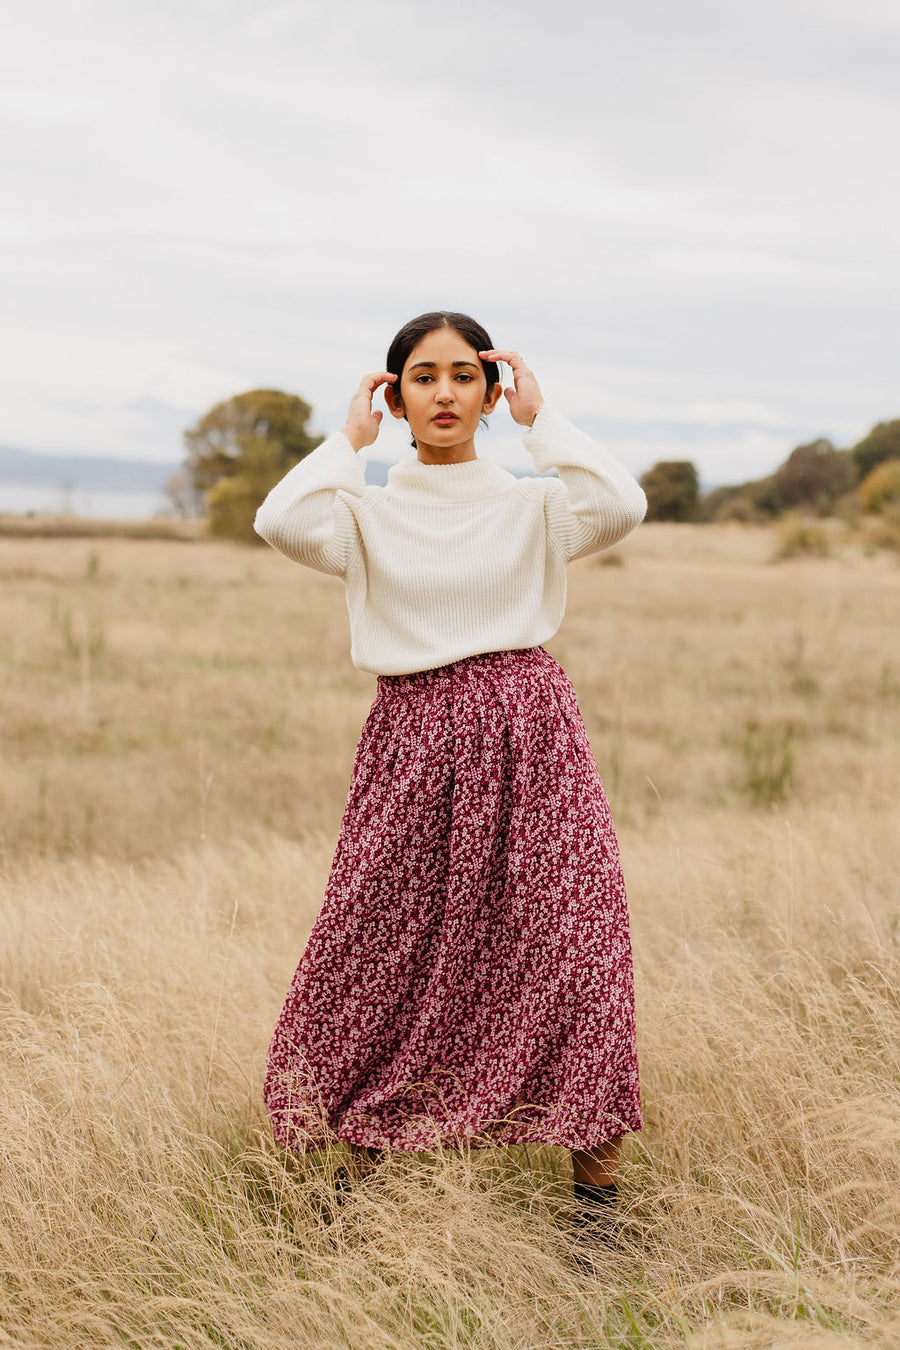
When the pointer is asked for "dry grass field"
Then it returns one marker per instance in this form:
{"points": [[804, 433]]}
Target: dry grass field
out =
{"points": [[178, 728]]}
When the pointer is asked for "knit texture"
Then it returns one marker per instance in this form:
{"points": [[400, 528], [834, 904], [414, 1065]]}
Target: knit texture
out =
{"points": [[450, 560]]}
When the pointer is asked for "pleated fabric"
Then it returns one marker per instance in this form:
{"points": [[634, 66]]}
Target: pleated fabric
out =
{"points": [[469, 976]]}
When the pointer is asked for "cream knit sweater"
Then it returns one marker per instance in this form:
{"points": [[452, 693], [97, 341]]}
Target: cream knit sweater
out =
{"points": [[448, 560]]}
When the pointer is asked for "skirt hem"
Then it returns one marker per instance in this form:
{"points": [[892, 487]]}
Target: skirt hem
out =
{"points": [[424, 1136]]}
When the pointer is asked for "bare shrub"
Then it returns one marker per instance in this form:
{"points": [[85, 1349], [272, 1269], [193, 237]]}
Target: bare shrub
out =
{"points": [[800, 538], [880, 489], [767, 762]]}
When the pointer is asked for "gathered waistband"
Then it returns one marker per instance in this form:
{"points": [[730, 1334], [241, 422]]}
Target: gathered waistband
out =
{"points": [[481, 660]]}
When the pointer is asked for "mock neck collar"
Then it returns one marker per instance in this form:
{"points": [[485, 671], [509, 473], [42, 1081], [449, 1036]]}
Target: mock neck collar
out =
{"points": [[467, 481]]}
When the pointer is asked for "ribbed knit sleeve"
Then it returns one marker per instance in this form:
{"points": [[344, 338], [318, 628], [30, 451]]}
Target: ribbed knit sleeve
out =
{"points": [[305, 517], [596, 501]]}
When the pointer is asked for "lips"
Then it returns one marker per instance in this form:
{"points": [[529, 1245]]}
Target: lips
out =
{"points": [[446, 418]]}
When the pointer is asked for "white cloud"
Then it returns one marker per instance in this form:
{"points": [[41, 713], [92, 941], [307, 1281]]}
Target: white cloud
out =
{"points": [[684, 215]]}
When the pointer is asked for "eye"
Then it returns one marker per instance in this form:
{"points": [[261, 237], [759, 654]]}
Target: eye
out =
{"points": [[466, 379], [422, 379]]}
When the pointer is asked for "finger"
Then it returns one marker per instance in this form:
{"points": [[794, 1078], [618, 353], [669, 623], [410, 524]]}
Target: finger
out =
{"points": [[378, 416], [369, 383], [512, 359]]}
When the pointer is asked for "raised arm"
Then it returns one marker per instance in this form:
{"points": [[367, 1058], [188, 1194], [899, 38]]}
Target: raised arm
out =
{"points": [[304, 516], [596, 501]]}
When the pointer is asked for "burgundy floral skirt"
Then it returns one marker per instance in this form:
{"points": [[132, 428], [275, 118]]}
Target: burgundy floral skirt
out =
{"points": [[469, 975]]}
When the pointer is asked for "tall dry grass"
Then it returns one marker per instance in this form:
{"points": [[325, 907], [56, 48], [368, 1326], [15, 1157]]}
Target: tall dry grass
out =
{"points": [[178, 729]]}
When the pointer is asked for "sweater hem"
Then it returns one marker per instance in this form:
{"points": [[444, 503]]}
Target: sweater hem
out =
{"points": [[438, 663]]}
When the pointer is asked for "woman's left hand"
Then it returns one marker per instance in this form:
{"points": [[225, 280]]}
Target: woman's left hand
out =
{"points": [[525, 400]]}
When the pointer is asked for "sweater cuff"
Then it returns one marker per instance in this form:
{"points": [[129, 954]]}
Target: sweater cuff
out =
{"points": [[336, 459], [332, 467], [555, 442], [552, 440]]}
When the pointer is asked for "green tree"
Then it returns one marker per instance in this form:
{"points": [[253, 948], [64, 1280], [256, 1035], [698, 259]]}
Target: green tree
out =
{"points": [[232, 502], [672, 489], [763, 496], [882, 442], [240, 449], [815, 475]]}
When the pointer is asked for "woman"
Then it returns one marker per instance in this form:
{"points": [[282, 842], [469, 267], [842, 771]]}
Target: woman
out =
{"points": [[469, 975]]}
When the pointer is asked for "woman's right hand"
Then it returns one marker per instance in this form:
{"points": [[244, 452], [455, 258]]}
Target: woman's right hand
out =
{"points": [[361, 427]]}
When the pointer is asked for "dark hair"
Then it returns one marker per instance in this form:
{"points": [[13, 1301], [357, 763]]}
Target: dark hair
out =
{"points": [[411, 335]]}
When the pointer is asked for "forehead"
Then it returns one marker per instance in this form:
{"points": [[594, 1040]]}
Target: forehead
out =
{"points": [[443, 346]]}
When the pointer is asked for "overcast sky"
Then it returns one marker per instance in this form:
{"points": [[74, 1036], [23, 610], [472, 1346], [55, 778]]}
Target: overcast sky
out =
{"points": [[684, 215]]}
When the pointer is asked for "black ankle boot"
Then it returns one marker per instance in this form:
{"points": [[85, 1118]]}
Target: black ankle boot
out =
{"points": [[593, 1219], [343, 1184], [346, 1180]]}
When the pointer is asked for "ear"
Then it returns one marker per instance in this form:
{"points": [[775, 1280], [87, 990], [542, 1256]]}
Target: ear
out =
{"points": [[393, 400], [492, 399]]}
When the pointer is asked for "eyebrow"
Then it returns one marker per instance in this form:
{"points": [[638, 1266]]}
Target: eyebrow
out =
{"points": [[432, 364]]}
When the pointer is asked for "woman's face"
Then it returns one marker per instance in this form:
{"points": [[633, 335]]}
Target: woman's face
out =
{"points": [[442, 394]]}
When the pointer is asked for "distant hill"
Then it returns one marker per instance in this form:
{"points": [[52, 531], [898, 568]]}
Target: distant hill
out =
{"points": [[118, 475], [85, 471]]}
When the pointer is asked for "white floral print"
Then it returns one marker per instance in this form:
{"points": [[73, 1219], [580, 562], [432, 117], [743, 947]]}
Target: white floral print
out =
{"points": [[469, 975]]}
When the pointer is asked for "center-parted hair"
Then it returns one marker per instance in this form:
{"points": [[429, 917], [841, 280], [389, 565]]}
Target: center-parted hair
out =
{"points": [[411, 335]]}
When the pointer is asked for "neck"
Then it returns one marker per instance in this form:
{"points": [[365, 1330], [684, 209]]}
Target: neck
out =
{"points": [[455, 454], [459, 480]]}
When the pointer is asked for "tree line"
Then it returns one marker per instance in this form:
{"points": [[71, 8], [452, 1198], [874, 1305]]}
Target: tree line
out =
{"points": [[816, 478], [244, 445]]}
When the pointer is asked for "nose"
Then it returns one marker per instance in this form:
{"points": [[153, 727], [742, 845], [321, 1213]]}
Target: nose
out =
{"points": [[443, 393]]}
